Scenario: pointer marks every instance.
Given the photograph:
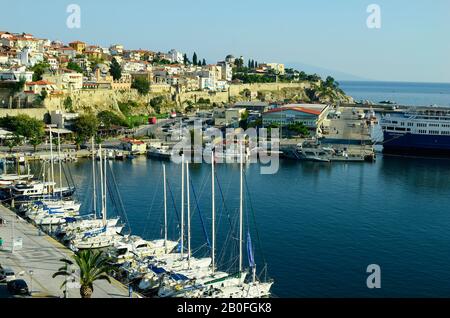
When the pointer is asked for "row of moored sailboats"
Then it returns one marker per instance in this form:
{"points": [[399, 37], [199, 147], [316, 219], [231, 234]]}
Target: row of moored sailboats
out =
{"points": [[161, 267]]}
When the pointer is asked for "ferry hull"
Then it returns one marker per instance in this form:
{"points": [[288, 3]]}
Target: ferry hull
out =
{"points": [[416, 144]]}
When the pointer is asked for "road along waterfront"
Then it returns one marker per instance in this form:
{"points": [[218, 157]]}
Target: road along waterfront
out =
{"points": [[41, 254]]}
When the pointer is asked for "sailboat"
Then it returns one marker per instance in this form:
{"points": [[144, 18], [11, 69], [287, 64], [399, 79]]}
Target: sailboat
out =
{"points": [[76, 228], [52, 211], [135, 247], [208, 278], [103, 236], [179, 261], [255, 288]]}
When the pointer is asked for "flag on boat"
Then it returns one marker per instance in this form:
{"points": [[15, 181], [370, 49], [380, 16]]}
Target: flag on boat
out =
{"points": [[251, 259]]}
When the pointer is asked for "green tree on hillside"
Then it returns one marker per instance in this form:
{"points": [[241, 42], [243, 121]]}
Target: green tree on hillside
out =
{"points": [[142, 85], [156, 103], [68, 104], [18, 86], [85, 126], [239, 62], [75, 67], [39, 69], [194, 59], [185, 59], [115, 70], [108, 118]]}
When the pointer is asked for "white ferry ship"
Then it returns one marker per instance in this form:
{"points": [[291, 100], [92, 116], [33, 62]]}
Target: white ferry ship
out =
{"points": [[418, 130]]}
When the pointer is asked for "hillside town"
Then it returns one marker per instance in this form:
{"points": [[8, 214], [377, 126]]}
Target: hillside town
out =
{"points": [[113, 92], [56, 68]]}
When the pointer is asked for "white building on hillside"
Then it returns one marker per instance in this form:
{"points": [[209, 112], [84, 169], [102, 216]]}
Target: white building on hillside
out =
{"points": [[175, 56]]}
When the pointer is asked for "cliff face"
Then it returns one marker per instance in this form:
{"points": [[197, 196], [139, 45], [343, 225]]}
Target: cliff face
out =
{"points": [[293, 93], [98, 100]]}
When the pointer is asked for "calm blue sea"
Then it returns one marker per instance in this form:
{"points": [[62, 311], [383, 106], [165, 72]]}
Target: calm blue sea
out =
{"points": [[417, 94], [319, 225], [316, 225]]}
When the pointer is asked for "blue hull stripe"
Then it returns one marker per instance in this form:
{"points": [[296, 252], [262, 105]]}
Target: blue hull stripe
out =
{"points": [[413, 141]]}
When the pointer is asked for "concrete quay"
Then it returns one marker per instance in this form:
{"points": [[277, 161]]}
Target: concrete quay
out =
{"points": [[41, 254]]}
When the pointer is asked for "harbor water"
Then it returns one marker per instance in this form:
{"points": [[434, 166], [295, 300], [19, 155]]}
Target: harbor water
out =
{"points": [[316, 225], [319, 224], [415, 94]]}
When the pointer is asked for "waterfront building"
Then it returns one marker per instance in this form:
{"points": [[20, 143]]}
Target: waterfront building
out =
{"points": [[134, 145], [63, 120], [310, 115], [259, 107], [229, 117]]}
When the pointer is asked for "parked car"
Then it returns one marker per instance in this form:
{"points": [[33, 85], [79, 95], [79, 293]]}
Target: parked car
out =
{"points": [[6, 275], [18, 287]]}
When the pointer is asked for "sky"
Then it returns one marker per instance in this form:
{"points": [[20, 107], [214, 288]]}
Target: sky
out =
{"points": [[412, 44]]}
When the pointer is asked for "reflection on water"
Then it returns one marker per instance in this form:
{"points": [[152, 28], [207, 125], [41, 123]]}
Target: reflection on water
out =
{"points": [[320, 224], [417, 172]]}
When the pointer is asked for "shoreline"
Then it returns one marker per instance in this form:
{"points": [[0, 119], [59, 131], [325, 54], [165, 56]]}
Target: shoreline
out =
{"points": [[41, 253]]}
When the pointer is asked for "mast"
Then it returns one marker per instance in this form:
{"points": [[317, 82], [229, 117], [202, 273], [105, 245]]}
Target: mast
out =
{"points": [[43, 178], [188, 214], [104, 194], [165, 209], [60, 168], [213, 212], [182, 205], [51, 160], [93, 178], [241, 208], [101, 180]]}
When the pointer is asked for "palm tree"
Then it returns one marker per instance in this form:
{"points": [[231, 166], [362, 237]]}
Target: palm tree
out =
{"points": [[35, 141], [14, 141], [93, 266]]}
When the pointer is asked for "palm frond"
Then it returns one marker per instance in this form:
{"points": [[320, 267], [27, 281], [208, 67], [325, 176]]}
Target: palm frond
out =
{"points": [[61, 273]]}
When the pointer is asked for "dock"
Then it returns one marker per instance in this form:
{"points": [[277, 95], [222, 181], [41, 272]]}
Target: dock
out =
{"points": [[41, 255]]}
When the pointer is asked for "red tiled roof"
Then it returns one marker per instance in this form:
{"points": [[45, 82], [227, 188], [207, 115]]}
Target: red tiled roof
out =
{"points": [[41, 82], [66, 48], [297, 109]]}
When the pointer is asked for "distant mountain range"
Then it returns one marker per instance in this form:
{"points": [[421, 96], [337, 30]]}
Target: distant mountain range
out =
{"points": [[323, 72]]}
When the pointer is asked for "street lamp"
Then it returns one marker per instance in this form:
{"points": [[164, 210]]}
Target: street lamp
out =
{"points": [[31, 283]]}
